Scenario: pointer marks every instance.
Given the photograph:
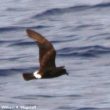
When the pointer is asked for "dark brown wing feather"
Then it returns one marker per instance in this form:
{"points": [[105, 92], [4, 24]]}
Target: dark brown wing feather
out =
{"points": [[47, 52]]}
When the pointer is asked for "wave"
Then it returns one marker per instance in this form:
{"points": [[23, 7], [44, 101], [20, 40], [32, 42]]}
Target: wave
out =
{"points": [[6, 72], [57, 11], [7, 41], [102, 5], [9, 72], [44, 96], [9, 28], [14, 28], [22, 43], [73, 108], [89, 108], [87, 51]]}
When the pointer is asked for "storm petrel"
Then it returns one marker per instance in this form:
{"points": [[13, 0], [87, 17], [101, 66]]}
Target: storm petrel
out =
{"points": [[47, 56]]}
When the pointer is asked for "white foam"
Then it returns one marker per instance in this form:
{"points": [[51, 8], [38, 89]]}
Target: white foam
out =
{"points": [[37, 76]]}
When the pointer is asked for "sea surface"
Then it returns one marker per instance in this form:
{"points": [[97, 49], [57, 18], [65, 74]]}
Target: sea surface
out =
{"points": [[80, 33]]}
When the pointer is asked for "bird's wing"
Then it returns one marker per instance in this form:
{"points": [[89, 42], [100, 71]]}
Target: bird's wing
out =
{"points": [[47, 52]]}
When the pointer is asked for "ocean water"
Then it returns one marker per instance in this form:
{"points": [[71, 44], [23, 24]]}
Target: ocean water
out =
{"points": [[80, 33]]}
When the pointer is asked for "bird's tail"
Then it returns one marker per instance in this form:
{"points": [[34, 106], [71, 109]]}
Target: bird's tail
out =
{"points": [[28, 76]]}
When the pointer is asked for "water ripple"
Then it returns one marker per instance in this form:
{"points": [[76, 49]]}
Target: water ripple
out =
{"points": [[15, 28], [57, 11], [45, 96], [88, 108], [87, 51]]}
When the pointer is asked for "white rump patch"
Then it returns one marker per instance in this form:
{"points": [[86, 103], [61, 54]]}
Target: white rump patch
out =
{"points": [[37, 76]]}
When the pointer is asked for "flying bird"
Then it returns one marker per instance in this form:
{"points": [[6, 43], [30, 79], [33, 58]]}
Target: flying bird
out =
{"points": [[47, 55]]}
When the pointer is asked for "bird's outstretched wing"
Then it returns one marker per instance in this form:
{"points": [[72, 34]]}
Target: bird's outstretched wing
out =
{"points": [[47, 52]]}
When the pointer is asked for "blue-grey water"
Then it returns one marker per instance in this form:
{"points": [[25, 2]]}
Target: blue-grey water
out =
{"points": [[80, 32]]}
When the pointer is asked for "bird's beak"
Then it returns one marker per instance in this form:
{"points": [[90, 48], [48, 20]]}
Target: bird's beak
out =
{"points": [[67, 73]]}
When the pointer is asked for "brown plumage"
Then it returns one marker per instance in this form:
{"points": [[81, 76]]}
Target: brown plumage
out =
{"points": [[47, 56]]}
